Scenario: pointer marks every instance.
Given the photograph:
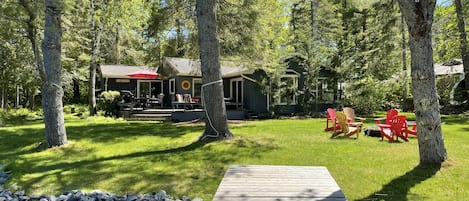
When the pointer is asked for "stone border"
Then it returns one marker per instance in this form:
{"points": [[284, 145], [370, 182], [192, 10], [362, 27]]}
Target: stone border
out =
{"points": [[77, 195]]}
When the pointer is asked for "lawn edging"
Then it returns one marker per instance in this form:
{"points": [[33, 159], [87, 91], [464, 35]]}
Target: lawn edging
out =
{"points": [[78, 195]]}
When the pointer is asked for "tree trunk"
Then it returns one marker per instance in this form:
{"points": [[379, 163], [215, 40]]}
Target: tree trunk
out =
{"points": [[32, 36], [463, 45], [404, 59], [95, 45], [52, 91], [216, 124], [314, 21], [419, 18], [76, 90], [17, 97], [3, 100], [118, 56]]}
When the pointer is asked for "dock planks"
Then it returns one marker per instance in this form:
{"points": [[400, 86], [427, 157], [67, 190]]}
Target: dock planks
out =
{"points": [[278, 183]]}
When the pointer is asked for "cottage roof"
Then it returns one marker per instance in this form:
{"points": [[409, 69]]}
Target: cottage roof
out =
{"points": [[121, 71], [449, 68], [191, 67]]}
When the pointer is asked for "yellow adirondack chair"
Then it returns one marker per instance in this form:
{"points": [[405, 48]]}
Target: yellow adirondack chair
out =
{"points": [[348, 129]]}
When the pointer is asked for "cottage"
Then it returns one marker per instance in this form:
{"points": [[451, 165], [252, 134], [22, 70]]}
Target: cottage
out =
{"points": [[453, 71], [247, 89]]}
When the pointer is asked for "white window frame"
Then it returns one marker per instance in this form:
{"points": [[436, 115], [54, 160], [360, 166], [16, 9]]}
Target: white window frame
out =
{"points": [[234, 80], [193, 85], [172, 86], [150, 81]]}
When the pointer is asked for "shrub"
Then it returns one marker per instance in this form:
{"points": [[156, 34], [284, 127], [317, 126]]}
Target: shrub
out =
{"points": [[444, 86], [75, 109], [368, 95], [108, 102], [18, 116]]}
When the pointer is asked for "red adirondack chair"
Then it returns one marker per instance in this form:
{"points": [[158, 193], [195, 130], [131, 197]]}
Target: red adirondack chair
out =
{"points": [[389, 114], [397, 128], [331, 117]]}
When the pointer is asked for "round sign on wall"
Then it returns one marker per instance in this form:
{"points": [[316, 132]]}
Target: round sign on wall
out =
{"points": [[185, 85]]}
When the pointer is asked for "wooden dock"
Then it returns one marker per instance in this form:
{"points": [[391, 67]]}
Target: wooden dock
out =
{"points": [[278, 183]]}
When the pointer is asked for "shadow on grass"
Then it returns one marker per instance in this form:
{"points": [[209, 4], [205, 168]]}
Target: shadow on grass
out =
{"points": [[18, 141], [398, 188], [103, 132], [66, 165], [193, 170], [454, 120]]}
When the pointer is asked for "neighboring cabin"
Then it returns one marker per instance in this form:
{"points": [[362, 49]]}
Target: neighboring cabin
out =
{"points": [[450, 81], [243, 86]]}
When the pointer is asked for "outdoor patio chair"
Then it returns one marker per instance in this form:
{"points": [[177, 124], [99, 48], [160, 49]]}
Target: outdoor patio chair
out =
{"points": [[185, 100], [406, 130], [331, 117], [389, 115], [348, 129], [350, 114], [395, 129]]}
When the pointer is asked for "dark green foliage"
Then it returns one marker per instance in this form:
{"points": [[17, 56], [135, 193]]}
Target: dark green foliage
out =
{"points": [[108, 103], [368, 95], [18, 116], [444, 86]]}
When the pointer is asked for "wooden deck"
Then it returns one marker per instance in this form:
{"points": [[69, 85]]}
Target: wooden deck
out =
{"points": [[278, 183]]}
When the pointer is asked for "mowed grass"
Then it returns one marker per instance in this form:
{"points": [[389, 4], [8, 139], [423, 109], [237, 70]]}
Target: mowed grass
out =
{"points": [[142, 157]]}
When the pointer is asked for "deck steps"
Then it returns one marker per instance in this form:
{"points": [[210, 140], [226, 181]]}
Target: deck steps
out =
{"points": [[150, 115]]}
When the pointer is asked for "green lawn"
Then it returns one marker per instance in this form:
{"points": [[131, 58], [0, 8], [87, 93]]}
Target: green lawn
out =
{"points": [[142, 157]]}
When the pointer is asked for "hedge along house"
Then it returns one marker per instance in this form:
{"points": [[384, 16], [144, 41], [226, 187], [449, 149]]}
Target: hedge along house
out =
{"points": [[252, 89], [142, 81]]}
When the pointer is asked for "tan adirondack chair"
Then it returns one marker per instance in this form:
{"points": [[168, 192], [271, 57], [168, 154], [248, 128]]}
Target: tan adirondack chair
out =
{"points": [[348, 129], [350, 114]]}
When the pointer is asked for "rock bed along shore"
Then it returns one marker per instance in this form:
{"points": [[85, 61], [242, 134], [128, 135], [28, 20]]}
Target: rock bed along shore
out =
{"points": [[77, 195]]}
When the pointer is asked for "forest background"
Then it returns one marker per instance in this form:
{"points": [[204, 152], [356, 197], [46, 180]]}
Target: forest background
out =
{"points": [[363, 42]]}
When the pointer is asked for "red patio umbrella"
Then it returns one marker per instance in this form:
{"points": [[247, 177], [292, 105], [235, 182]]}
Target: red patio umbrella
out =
{"points": [[144, 73]]}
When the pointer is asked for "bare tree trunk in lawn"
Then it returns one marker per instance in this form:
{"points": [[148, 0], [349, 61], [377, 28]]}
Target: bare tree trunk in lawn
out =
{"points": [[419, 17], [216, 125], [52, 91]]}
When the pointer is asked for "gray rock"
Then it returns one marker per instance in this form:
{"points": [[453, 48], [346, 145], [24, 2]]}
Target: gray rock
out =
{"points": [[19, 193], [8, 196], [2, 180], [119, 197], [132, 198], [89, 198], [24, 198], [43, 199], [62, 198]]}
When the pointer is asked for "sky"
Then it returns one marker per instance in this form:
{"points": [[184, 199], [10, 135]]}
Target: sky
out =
{"points": [[443, 2]]}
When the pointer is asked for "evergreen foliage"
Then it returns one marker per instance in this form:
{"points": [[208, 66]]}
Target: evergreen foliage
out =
{"points": [[356, 40]]}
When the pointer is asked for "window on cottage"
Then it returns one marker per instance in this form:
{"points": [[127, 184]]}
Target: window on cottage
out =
{"points": [[172, 86], [288, 89], [324, 89], [197, 82]]}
